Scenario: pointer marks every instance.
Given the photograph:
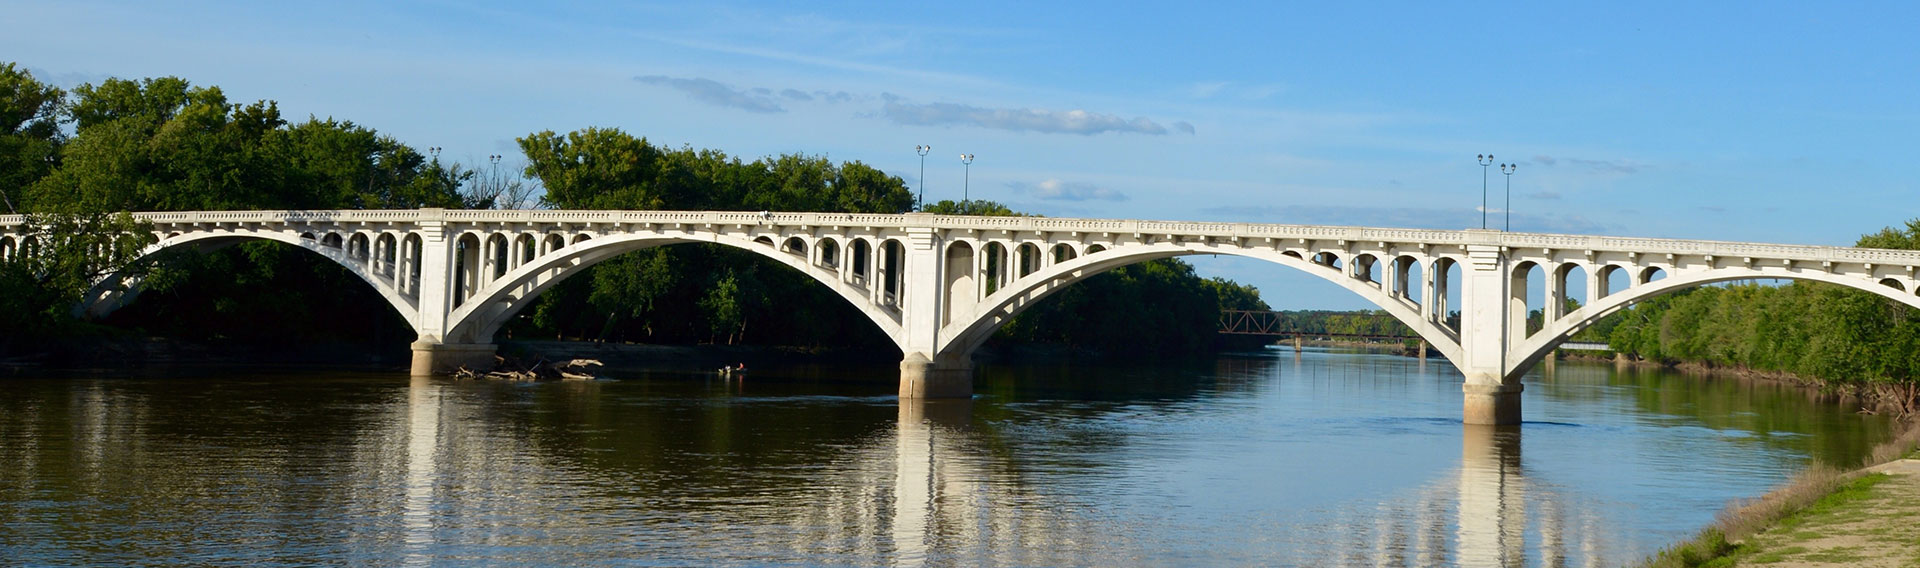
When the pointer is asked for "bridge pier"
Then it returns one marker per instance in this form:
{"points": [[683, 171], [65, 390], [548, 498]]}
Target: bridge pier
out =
{"points": [[431, 358], [1491, 404], [921, 378]]}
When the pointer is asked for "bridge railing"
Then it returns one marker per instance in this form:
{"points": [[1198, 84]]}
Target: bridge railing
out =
{"points": [[1596, 243]]}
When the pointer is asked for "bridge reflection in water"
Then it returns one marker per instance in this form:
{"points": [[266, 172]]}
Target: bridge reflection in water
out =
{"points": [[944, 505]]}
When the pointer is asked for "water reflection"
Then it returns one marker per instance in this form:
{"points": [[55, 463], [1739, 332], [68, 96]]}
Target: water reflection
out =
{"points": [[1310, 459], [423, 445], [1493, 497]]}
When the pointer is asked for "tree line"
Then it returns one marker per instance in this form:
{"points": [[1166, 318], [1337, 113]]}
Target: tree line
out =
{"points": [[163, 144]]}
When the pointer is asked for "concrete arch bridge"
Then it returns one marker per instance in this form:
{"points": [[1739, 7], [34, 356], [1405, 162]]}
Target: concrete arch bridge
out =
{"points": [[940, 285]]}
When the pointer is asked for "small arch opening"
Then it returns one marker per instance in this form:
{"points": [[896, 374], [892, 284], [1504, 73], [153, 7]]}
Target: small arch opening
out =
{"points": [[1028, 261], [794, 245], [1063, 252], [829, 253], [858, 254], [1650, 274], [1891, 283]]}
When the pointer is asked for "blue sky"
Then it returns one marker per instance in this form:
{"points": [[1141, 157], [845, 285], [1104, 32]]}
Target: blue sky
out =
{"points": [[1778, 122]]}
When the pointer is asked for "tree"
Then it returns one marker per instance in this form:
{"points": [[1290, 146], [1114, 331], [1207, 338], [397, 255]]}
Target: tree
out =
{"points": [[30, 135]]}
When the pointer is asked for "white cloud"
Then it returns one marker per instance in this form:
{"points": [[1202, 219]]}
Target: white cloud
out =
{"points": [[1056, 190]]}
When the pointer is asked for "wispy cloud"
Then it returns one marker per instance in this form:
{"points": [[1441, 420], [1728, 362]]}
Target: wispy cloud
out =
{"points": [[1056, 190], [795, 94], [716, 93], [1035, 120], [1605, 166]]}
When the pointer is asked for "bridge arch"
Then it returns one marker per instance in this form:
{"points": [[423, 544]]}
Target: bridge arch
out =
{"points": [[108, 295], [492, 304], [1553, 333], [961, 336]]}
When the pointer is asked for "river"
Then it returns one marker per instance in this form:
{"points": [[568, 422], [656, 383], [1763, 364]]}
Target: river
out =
{"points": [[1274, 458]]}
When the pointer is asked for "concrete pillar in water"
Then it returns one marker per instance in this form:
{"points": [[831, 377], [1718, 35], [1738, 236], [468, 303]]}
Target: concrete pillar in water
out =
{"points": [[924, 379], [1491, 397], [431, 358]]}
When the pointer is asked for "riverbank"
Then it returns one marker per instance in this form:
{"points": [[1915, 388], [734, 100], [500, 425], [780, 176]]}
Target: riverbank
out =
{"points": [[1823, 517]]}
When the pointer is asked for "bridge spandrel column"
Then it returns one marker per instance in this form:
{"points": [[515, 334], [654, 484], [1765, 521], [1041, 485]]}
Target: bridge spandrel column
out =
{"points": [[1484, 328]]}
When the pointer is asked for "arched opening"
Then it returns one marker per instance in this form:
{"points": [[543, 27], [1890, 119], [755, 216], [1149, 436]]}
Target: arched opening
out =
{"points": [[331, 240], [731, 289], [497, 252], [794, 245], [1658, 285], [1610, 280], [1445, 310], [893, 257], [1327, 259], [6, 248], [466, 267], [415, 246], [263, 290], [861, 258], [1407, 280], [1029, 260], [1363, 268], [552, 243], [1649, 274], [1567, 290], [1096, 249], [581, 238], [1063, 252], [1526, 298], [993, 271], [829, 253], [1891, 283], [389, 254], [1004, 306], [308, 236], [524, 249], [959, 286], [359, 248]]}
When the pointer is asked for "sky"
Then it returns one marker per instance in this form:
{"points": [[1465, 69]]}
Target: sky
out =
{"points": [[1752, 121]]}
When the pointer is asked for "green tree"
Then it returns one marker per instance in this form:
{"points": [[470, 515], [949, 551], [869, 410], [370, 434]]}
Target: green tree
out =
{"points": [[30, 135]]}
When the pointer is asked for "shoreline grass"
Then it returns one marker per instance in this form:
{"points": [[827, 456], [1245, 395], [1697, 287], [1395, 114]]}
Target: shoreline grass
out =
{"points": [[1817, 487]]}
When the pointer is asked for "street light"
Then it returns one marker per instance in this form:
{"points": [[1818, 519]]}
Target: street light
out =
{"points": [[1508, 170], [1485, 160], [922, 150], [967, 180]]}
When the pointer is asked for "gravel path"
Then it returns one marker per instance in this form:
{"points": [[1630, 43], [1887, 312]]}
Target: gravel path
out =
{"points": [[1873, 523]]}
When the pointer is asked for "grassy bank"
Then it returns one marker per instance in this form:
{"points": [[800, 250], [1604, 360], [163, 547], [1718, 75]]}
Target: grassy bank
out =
{"points": [[1820, 492]]}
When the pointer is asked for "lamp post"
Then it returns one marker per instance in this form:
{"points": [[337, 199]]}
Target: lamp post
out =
{"points": [[1508, 170], [1485, 160], [967, 180], [922, 150]]}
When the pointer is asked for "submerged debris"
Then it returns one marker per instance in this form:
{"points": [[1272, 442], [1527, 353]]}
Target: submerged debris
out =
{"points": [[540, 370]]}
